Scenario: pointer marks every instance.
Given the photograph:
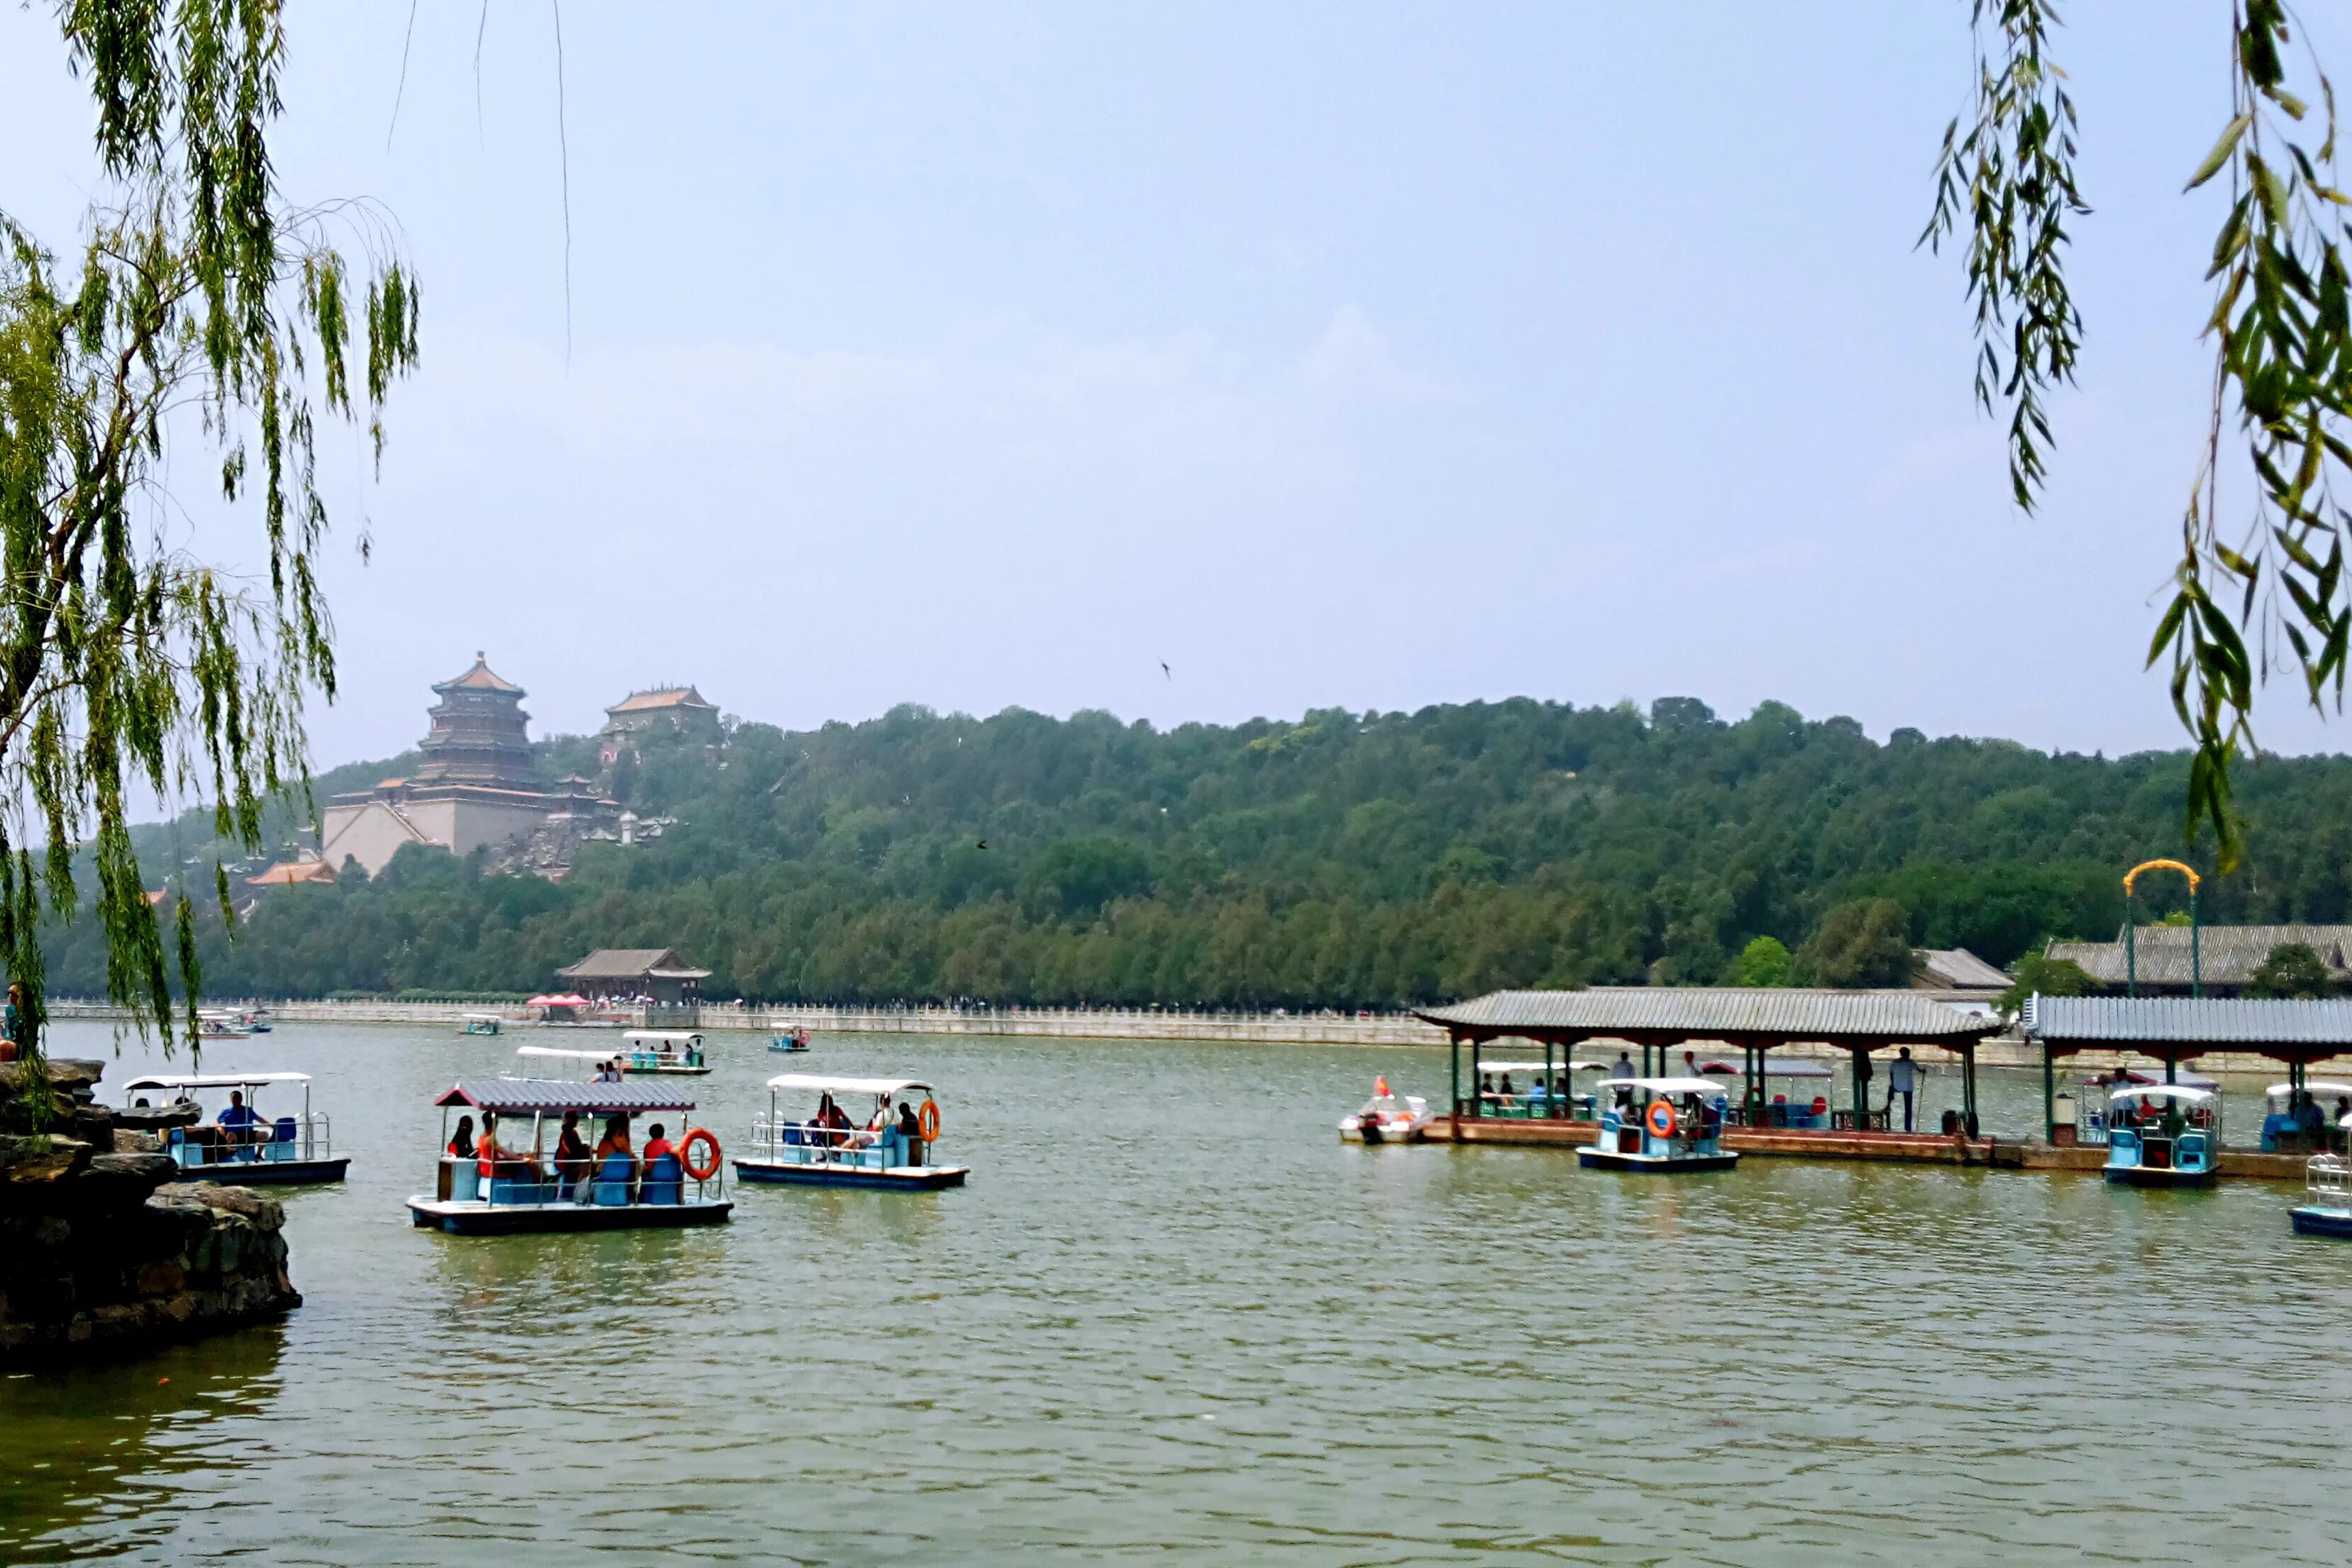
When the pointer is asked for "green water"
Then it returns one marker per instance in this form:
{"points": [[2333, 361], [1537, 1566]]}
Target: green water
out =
{"points": [[1174, 1318]]}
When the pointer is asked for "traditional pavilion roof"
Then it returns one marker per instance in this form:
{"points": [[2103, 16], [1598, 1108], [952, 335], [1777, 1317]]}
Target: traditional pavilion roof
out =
{"points": [[633, 963], [1957, 969], [2160, 1025], [1713, 1013], [662, 699], [481, 678], [286, 872], [2226, 955]]}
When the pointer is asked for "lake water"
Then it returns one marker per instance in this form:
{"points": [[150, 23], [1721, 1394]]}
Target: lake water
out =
{"points": [[1172, 1318]]}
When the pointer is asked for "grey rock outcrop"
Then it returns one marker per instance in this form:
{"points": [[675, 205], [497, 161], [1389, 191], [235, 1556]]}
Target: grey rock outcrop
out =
{"points": [[103, 1252]]}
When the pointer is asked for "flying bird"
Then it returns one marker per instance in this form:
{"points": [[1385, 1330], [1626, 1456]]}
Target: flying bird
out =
{"points": [[983, 844], [1166, 671]]}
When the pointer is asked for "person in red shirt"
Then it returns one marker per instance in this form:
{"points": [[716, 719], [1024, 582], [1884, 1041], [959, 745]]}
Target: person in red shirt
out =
{"points": [[657, 1146]]}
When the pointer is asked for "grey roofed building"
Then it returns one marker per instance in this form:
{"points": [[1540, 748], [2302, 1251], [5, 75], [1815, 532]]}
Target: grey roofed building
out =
{"points": [[1714, 1013], [2227, 956], [2182, 1026], [656, 972], [1957, 969]]}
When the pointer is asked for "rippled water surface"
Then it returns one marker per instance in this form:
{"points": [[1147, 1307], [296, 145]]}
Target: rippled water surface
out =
{"points": [[1173, 1317]]}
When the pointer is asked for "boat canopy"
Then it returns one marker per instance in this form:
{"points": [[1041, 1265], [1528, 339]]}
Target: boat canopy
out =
{"points": [[493, 1017], [2188, 1091], [530, 1095], [1705, 1086], [2194, 1079], [567, 1054], [665, 1037], [2316, 1087], [1529, 1066], [823, 1085], [214, 1079]]}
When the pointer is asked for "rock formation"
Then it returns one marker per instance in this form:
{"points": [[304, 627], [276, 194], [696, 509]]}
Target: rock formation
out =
{"points": [[102, 1252]]}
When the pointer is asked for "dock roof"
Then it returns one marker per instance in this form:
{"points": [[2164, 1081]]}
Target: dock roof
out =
{"points": [[2289, 1030], [1766, 1015]]}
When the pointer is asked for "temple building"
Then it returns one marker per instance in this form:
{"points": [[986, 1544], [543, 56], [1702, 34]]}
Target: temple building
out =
{"points": [[478, 786], [667, 710]]}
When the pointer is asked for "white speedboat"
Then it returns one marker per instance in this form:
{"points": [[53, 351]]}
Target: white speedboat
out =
{"points": [[1386, 1117]]}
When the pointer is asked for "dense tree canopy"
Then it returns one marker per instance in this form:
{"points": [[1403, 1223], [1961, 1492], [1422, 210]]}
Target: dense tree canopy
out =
{"points": [[1344, 859]]}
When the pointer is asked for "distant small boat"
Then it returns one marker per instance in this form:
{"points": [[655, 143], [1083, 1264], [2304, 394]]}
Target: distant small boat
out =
{"points": [[790, 1040], [480, 1023], [2175, 1147], [1386, 1117], [220, 1025], [1654, 1137]]}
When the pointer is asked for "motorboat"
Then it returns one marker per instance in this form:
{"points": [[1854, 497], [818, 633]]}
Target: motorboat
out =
{"points": [[248, 1150], [532, 1187], [1386, 1117], [2327, 1178], [790, 1040], [826, 1148], [2163, 1136], [1666, 1126], [482, 1024]]}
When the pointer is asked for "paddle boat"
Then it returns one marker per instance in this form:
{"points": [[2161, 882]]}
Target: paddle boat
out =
{"points": [[2090, 1105], [221, 1023], [1386, 1117], [882, 1154], [662, 1051], [2284, 1131], [1652, 1132], [1537, 1094], [1802, 1100], [248, 1151], [2163, 1136], [527, 1188], [794, 1040], [2329, 1179], [256, 1020], [481, 1024]]}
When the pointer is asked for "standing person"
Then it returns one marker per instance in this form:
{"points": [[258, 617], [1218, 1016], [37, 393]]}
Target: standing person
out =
{"points": [[1624, 1069], [1903, 1079]]}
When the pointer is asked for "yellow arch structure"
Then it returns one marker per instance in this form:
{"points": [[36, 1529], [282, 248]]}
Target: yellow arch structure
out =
{"points": [[2133, 875]]}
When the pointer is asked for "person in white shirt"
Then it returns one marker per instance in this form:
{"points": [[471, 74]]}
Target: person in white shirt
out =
{"points": [[1903, 1079]]}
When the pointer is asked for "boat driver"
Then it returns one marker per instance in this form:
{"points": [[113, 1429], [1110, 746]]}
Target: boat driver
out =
{"points": [[236, 1120]]}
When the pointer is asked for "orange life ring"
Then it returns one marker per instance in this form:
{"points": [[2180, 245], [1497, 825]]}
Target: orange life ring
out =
{"points": [[1659, 1119], [927, 1121], [708, 1139]]}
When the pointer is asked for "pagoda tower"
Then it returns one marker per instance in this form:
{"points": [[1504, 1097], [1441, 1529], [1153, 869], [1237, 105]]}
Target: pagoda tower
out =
{"points": [[480, 735]]}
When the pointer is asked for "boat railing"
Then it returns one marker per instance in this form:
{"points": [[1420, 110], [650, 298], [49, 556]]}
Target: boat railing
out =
{"points": [[1537, 1106], [790, 1142], [616, 1182], [305, 1137], [2329, 1177]]}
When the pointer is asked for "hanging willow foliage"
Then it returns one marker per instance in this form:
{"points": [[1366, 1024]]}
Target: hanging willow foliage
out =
{"points": [[2268, 591], [201, 310]]}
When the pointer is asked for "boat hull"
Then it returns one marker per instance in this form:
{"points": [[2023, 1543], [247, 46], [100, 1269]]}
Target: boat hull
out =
{"points": [[268, 1172], [1596, 1159], [662, 1072], [2311, 1220], [512, 1219], [2158, 1176], [892, 1178]]}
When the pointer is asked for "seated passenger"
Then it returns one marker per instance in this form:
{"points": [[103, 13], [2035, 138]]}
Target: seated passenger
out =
{"points": [[497, 1164], [910, 1132], [572, 1157], [657, 1146], [615, 1141], [462, 1146], [236, 1120]]}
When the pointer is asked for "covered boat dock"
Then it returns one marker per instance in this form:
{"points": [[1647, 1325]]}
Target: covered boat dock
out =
{"points": [[1658, 1020]]}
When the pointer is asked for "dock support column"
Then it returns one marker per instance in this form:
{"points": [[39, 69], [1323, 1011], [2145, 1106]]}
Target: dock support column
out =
{"points": [[1969, 1089], [2049, 1095], [1453, 1070]]}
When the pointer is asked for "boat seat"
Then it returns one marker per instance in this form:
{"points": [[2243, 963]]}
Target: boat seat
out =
{"points": [[611, 1187], [465, 1182], [665, 1182], [282, 1139]]}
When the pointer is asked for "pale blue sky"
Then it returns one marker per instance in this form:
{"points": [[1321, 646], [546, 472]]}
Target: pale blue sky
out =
{"points": [[1334, 354]]}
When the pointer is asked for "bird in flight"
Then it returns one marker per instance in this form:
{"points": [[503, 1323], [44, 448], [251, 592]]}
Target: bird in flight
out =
{"points": [[1166, 671], [983, 844]]}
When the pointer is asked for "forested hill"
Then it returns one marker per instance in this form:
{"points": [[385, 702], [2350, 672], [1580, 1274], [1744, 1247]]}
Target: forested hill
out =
{"points": [[1343, 860]]}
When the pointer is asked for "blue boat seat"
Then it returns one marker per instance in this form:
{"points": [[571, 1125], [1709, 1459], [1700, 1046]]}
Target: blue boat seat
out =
{"points": [[665, 1182], [611, 1187], [465, 1182]]}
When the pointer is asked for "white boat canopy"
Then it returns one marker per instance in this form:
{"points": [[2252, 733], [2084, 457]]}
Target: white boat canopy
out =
{"points": [[1701, 1085], [561, 1051], [2345, 1122], [2163, 1092], [1523, 1066], [665, 1037], [214, 1079], [2316, 1087], [491, 1016], [823, 1085], [1795, 1067]]}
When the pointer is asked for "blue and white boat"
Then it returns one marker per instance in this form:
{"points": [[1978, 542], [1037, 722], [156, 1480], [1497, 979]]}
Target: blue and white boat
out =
{"points": [[261, 1150], [1666, 1126], [827, 1149], [2328, 1180], [642, 1053], [2164, 1135], [527, 1187], [792, 1041]]}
